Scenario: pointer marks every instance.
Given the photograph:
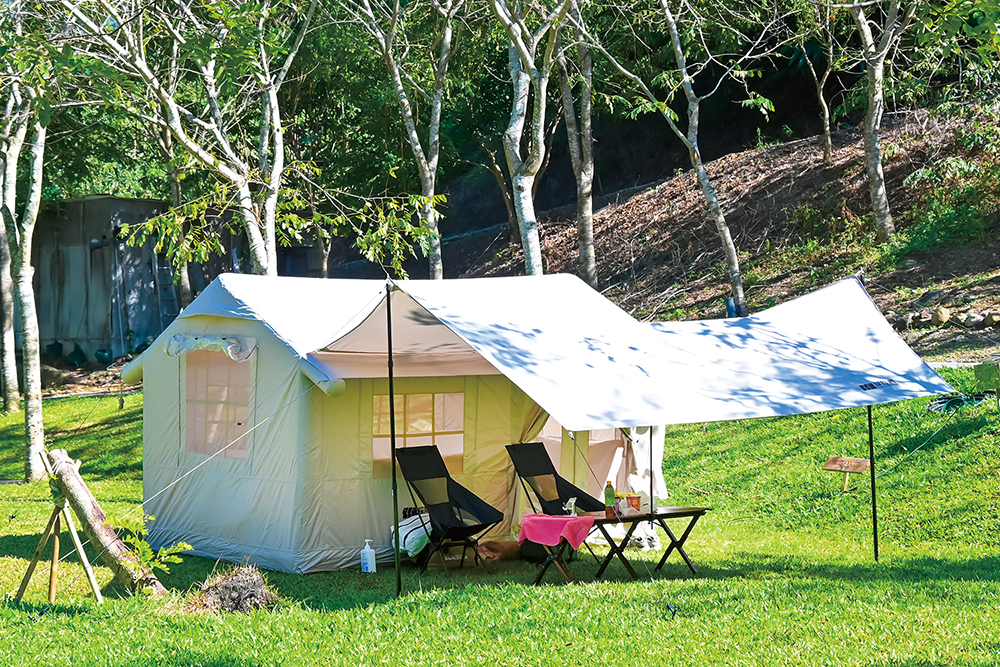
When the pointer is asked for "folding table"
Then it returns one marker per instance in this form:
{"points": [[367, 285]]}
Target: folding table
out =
{"points": [[555, 533], [658, 518]]}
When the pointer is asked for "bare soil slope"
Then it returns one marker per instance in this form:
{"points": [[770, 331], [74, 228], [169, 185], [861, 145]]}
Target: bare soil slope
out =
{"points": [[659, 255]]}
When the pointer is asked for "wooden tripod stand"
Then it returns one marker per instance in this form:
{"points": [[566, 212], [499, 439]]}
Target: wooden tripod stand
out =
{"points": [[59, 514]]}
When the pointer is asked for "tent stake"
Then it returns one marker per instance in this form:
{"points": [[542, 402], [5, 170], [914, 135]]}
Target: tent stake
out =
{"points": [[392, 438], [871, 470]]}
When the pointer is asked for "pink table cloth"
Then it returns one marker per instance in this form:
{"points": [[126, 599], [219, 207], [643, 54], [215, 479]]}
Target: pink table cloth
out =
{"points": [[549, 530]]}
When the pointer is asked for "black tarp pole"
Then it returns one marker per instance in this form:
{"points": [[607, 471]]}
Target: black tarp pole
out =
{"points": [[652, 507], [392, 438], [871, 470]]}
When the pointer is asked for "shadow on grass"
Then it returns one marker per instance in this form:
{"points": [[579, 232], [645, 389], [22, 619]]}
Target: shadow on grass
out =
{"points": [[341, 589], [91, 429], [350, 589], [23, 546], [986, 568], [36, 611]]}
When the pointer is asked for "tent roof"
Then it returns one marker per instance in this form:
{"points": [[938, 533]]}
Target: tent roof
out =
{"points": [[826, 350], [305, 313], [584, 360]]}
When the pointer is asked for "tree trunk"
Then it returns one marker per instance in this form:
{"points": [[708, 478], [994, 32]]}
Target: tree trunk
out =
{"points": [[827, 134], [324, 251], [873, 155], [690, 140], [528, 76], [728, 246], [260, 254], [581, 141], [273, 172], [820, 84], [524, 207], [386, 34], [11, 393], [527, 224], [113, 552], [428, 215], [34, 468], [897, 18], [183, 278], [8, 178]]}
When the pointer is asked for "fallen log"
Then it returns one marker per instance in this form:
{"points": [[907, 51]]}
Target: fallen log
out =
{"points": [[65, 478]]}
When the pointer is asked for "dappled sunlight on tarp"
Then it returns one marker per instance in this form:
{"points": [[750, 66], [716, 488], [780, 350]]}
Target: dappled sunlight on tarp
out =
{"points": [[575, 353], [827, 350]]}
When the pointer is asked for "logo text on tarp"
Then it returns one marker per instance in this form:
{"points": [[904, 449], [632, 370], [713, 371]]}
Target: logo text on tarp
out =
{"points": [[878, 384]]}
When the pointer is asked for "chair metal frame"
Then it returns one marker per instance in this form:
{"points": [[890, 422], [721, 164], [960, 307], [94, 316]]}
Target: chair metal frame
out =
{"points": [[459, 500]]}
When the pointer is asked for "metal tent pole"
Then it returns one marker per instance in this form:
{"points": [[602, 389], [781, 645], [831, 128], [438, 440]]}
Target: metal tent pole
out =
{"points": [[871, 469], [652, 507], [392, 438]]}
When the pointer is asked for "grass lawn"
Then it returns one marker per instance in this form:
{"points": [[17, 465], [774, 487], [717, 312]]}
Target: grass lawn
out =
{"points": [[786, 574]]}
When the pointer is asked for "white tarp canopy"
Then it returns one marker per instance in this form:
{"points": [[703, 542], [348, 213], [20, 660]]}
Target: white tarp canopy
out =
{"points": [[826, 350], [590, 365], [581, 358]]}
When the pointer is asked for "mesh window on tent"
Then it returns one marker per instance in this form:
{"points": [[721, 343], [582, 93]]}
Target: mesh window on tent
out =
{"points": [[218, 397], [421, 419]]}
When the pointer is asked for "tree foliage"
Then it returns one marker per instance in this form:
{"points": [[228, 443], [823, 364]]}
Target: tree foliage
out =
{"points": [[295, 124]]}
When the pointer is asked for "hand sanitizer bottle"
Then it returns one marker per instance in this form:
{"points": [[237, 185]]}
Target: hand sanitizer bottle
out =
{"points": [[368, 558]]}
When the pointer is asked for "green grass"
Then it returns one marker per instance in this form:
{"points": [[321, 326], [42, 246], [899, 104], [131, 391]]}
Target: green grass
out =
{"points": [[786, 574]]}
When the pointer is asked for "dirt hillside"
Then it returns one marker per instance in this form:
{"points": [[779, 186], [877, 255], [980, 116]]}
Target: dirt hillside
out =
{"points": [[659, 255]]}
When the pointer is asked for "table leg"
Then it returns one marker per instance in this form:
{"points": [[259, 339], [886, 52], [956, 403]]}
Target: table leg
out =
{"points": [[617, 550], [678, 543], [555, 557]]}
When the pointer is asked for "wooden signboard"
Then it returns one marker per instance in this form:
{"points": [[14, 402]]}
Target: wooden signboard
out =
{"points": [[846, 465]]}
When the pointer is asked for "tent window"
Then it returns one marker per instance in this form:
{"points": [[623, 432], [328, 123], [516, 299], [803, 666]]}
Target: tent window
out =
{"points": [[218, 398], [421, 419]]}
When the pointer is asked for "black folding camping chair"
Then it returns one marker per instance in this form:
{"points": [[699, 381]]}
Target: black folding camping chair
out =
{"points": [[535, 469], [457, 516]]}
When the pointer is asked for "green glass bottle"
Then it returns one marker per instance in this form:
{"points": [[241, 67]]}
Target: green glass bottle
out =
{"points": [[609, 501]]}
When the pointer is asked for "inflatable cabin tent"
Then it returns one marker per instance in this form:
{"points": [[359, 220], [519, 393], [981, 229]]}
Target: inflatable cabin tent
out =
{"points": [[266, 407]]}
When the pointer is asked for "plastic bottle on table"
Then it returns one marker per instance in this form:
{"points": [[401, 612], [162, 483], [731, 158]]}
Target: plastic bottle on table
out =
{"points": [[609, 501]]}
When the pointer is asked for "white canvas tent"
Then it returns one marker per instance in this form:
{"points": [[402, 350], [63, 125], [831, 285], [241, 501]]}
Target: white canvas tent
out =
{"points": [[265, 419], [287, 377]]}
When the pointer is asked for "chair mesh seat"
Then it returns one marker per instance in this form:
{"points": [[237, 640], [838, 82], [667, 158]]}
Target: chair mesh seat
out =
{"points": [[457, 516], [535, 468]]}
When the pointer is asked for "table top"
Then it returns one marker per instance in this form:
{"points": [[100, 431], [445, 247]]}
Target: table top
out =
{"points": [[662, 512]]}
